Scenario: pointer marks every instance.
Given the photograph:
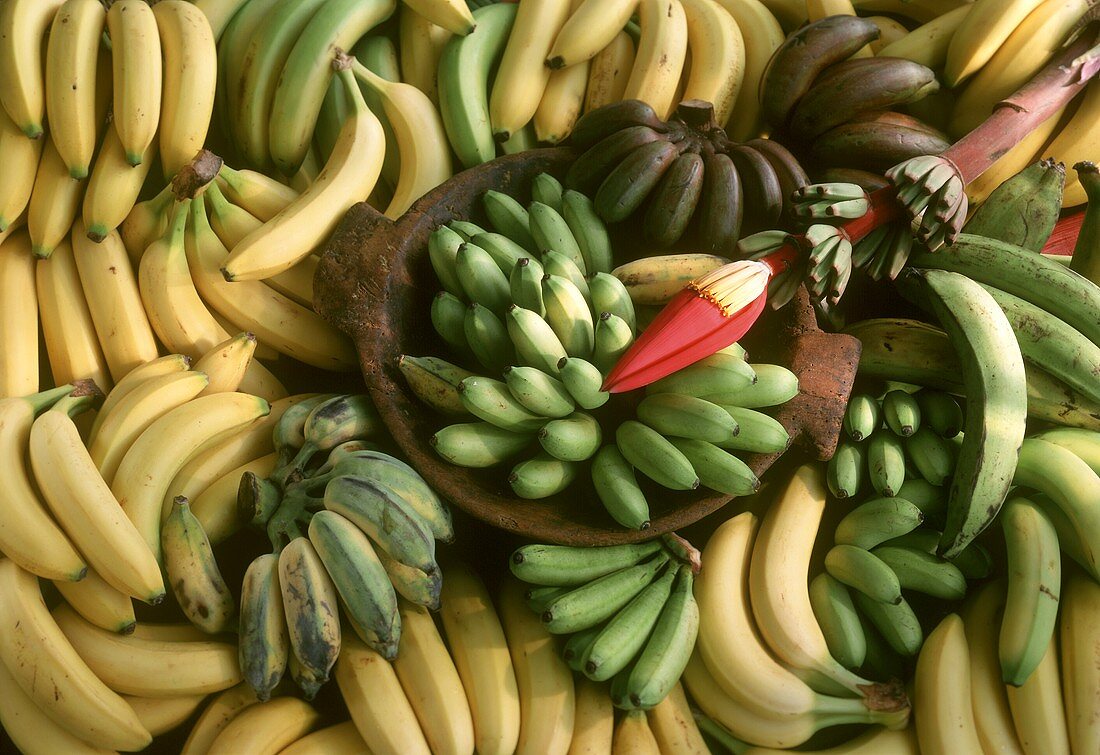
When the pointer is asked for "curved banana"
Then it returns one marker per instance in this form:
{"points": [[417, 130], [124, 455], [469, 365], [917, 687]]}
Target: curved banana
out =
{"points": [[138, 76], [216, 716], [19, 320], [662, 51], [163, 714], [452, 15], [718, 56], [54, 203], [421, 44], [219, 13], [21, 159], [1038, 709], [193, 571], [266, 727], [165, 365], [1074, 143], [71, 61], [1080, 681], [762, 35], [593, 719], [99, 603], [113, 187], [589, 29], [337, 738], [561, 103], [941, 694], [262, 196], [983, 31], [674, 726], [23, 26], [609, 72], [54, 675]]}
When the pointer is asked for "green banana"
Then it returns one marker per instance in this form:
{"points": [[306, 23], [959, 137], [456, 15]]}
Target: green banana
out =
{"points": [[885, 462], [537, 598], [836, 616], [547, 190], [759, 433], [478, 444], [482, 279], [882, 662], [465, 66], [551, 233], [342, 418], [193, 571], [655, 456], [287, 435], [924, 572], [876, 521], [598, 600], [679, 415], [774, 385], [505, 252], [931, 500], [413, 585], [567, 314], [509, 218], [576, 647], [717, 469], [491, 401], [1034, 585], [487, 337], [993, 373], [618, 490], [263, 644], [608, 294], [588, 230], [555, 263], [633, 179], [435, 382], [862, 416], [584, 381], [542, 476], [901, 412], [674, 200], [448, 315], [570, 565], [845, 471], [573, 438], [312, 612], [662, 660], [864, 572], [896, 623], [466, 229], [611, 340], [535, 341], [625, 634], [1085, 256], [1023, 209], [525, 285], [360, 579], [940, 412], [538, 392], [933, 456], [715, 375], [1085, 444]]}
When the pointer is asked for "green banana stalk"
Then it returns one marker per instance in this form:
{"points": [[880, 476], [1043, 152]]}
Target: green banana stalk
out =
{"points": [[288, 433], [343, 418]]}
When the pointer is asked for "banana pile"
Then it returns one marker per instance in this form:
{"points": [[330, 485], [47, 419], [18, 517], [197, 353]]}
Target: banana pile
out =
{"points": [[629, 611]]}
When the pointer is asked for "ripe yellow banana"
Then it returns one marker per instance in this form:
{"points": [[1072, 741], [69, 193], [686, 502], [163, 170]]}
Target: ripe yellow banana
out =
{"points": [[260, 195], [889, 31], [674, 726], [190, 75], [266, 727], [349, 175], [147, 371], [18, 318], [216, 716], [23, 26], [523, 75], [1078, 638], [1038, 709], [609, 72], [941, 694], [162, 714], [717, 56], [216, 506], [71, 63], [590, 28], [593, 720], [113, 187], [452, 15], [146, 222], [984, 30], [655, 280], [55, 201], [1077, 141], [99, 603], [662, 50], [633, 735], [226, 363], [762, 35], [111, 290], [138, 75], [928, 43], [21, 157], [421, 45], [561, 103], [343, 738], [53, 674]]}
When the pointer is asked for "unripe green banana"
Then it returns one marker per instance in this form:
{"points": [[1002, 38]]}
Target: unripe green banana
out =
{"points": [[845, 472], [584, 381], [759, 433], [576, 647], [618, 490], [535, 342], [551, 233], [1023, 209], [312, 614], [886, 462], [774, 385], [683, 416], [558, 264], [612, 338], [288, 435], [896, 623], [924, 572], [466, 229], [625, 634], [332, 422], [525, 285], [567, 314], [974, 561], [876, 521], [505, 252], [836, 615], [655, 457], [598, 600], [933, 456], [537, 598], [509, 218], [862, 416], [608, 294], [717, 374], [901, 412], [717, 469], [573, 438], [940, 412], [478, 444], [360, 579], [443, 247], [547, 190], [448, 317], [569, 565], [930, 499], [588, 230], [491, 401], [538, 392], [435, 382], [487, 337], [263, 645], [863, 572], [413, 585], [542, 476], [193, 571], [482, 279]]}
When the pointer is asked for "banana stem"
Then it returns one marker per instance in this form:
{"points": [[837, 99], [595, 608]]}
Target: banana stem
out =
{"points": [[44, 400], [1086, 251], [1019, 114], [718, 733]]}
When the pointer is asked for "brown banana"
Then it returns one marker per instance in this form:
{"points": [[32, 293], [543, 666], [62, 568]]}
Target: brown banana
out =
{"points": [[674, 199], [721, 205], [792, 176], [762, 190], [632, 180], [604, 121], [877, 143], [590, 169]]}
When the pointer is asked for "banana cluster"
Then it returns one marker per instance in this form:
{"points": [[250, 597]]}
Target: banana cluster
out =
{"points": [[629, 611], [682, 177]]}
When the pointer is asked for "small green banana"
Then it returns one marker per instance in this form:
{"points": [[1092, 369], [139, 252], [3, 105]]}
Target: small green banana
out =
{"points": [[862, 416], [774, 385], [551, 233], [864, 572], [312, 610], [287, 436], [930, 499], [683, 416], [933, 456], [584, 381], [535, 341], [466, 229], [576, 647], [478, 444], [940, 412], [568, 315], [589, 231], [263, 644], [505, 252], [655, 457], [901, 412], [435, 382], [573, 438], [845, 471], [448, 317], [330, 423], [598, 600], [562, 266], [839, 622], [924, 572], [487, 337], [759, 433], [413, 585], [896, 623], [538, 392], [482, 279], [509, 218], [612, 338], [618, 490], [886, 462], [570, 565], [537, 598], [625, 634], [547, 190], [876, 521], [542, 476], [714, 375], [525, 285], [443, 246], [717, 469], [491, 401], [610, 295]]}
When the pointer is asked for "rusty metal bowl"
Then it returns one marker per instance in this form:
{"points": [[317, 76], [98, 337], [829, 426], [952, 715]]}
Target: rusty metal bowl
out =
{"points": [[375, 283]]}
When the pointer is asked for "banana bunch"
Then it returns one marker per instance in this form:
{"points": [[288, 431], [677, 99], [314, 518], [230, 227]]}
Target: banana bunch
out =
{"points": [[683, 176], [629, 611]]}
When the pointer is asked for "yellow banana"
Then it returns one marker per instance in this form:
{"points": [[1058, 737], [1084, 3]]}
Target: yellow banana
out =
{"points": [[135, 377], [941, 694], [984, 30], [609, 72], [19, 317], [1078, 638], [655, 280], [55, 201], [138, 75], [226, 363], [216, 506], [561, 103], [1077, 141], [21, 158], [216, 716], [590, 28], [762, 35], [662, 50], [633, 736], [928, 43], [889, 31], [452, 15], [99, 603], [421, 45], [717, 56], [674, 727], [342, 738], [113, 187], [260, 195], [593, 720], [146, 222], [71, 63], [1038, 709], [160, 715], [266, 727], [23, 26]]}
